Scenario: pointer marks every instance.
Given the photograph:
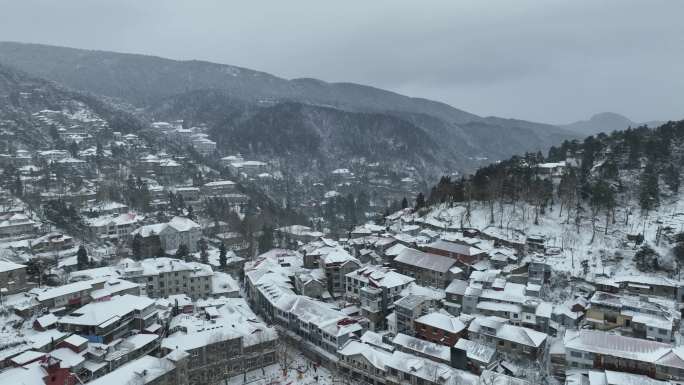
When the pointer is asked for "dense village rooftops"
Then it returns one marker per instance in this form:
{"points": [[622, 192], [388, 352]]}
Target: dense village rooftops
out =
{"points": [[610, 377], [46, 321], [511, 292], [27, 357], [232, 320], [220, 183], [623, 347], [423, 368], [115, 220], [377, 357], [442, 321], [6, 266], [14, 219], [431, 349], [457, 287], [505, 331], [31, 374], [141, 371], [425, 260], [102, 313], [475, 350], [44, 294], [429, 370], [395, 250], [455, 248], [156, 266], [375, 339], [640, 304], [639, 279], [67, 357], [75, 340], [336, 255], [425, 291], [380, 276], [410, 301], [499, 307], [281, 261]]}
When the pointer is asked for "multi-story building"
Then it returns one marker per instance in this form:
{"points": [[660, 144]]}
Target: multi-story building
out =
{"points": [[506, 300], [203, 145], [178, 231], [376, 288], [148, 370], [368, 364], [320, 329], [428, 269], [643, 285], [222, 342], [650, 318], [337, 263], [593, 349], [80, 293], [109, 319], [408, 309], [113, 227], [422, 348], [12, 278], [162, 277], [465, 254], [13, 224], [217, 188], [508, 338], [439, 328]]}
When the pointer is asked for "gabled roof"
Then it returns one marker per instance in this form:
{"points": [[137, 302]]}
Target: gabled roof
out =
{"points": [[424, 260]]}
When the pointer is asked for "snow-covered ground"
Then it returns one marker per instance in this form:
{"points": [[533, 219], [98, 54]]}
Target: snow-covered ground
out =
{"points": [[607, 252], [302, 372]]}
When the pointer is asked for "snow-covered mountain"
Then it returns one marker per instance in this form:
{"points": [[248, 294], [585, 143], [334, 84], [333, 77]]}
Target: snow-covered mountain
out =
{"points": [[460, 140]]}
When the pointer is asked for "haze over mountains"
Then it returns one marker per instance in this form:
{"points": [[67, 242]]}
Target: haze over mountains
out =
{"points": [[335, 117], [606, 122]]}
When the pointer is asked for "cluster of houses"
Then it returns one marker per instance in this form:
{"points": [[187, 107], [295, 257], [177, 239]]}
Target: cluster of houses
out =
{"points": [[408, 303], [110, 322]]}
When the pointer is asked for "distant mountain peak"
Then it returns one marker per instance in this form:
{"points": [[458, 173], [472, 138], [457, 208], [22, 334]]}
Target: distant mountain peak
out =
{"points": [[605, 122], [609, 116]]}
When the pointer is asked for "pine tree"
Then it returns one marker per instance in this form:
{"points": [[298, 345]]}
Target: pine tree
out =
{"points": [[136, 247], [18, 187], [82, 260], [223, 259], [266, 239], [420, 201], [671, 177], [183, 253], [204, 253], [649, 192]]}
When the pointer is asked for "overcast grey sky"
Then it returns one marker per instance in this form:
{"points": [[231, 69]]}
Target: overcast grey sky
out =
{"points": [[547, 60]]}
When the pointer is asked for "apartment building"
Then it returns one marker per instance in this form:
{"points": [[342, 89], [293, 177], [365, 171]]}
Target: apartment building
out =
{"points": [[427, 269], [376, 288], [593, 349], [110, 319], [163, 277], [509, 338], [222, 342]]}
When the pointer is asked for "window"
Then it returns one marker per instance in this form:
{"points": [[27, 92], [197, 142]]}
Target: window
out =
{"points": [[576, 354]]}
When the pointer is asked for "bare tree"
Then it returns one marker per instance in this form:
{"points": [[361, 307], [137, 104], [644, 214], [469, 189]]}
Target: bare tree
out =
{"points": [[284, 355]]}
